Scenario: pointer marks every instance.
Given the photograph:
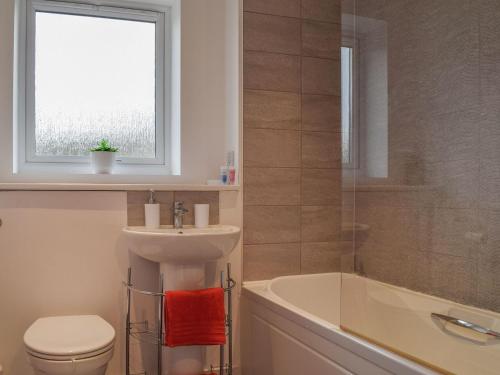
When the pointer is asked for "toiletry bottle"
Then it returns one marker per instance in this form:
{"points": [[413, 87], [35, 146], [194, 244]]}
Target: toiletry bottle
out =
{"points": [[152, 212], [223, 176], [231, 170]]}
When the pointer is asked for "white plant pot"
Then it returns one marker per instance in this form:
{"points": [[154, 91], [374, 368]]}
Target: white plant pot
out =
{"points": [[103, 161]]}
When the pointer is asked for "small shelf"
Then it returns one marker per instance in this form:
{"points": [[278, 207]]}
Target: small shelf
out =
{"points": [[41, 186]]}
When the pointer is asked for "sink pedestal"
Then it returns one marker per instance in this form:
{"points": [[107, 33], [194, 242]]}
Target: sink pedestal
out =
{"points": [[186, 360]]}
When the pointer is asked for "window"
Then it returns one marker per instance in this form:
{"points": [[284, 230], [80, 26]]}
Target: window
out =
{"points": [[94, 72], [348, 114]]}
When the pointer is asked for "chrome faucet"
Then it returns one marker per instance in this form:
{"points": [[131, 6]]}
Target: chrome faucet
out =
{"points": [[179, 212]]}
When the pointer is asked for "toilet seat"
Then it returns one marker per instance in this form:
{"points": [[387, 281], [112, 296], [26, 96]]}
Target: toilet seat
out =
{"points": [[72, 357], [63, 338], [85, 366]]}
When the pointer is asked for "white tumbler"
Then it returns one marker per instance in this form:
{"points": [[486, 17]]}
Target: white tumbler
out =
{"points": [[201, 214]]}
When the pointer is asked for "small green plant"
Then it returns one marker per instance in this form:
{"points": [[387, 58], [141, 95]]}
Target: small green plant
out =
{"points": [[105, 146]]}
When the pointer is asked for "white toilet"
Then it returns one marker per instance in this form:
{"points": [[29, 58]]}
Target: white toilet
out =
{"points": [[70, 345]]}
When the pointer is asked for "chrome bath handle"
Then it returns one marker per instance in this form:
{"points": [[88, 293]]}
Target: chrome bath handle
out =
{"points": [[467, 325]]}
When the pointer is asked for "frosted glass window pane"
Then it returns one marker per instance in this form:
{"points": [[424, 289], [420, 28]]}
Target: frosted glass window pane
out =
{"points": [[94, 79]]}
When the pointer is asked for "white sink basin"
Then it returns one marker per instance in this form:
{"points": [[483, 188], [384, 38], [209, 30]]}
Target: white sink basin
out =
{"points": [[187, 246]]}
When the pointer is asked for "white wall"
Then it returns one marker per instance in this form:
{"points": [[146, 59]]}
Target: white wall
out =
{"points": [[209, 60], [59, 255]]}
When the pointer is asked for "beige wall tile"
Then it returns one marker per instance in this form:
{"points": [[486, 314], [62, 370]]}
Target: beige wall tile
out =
{"points": [[391, 228], [347, 257], [272, 186], [489, 264], [137, 197], [321, 150], [453, 278], [321, 113], [450, 136], [320, 76], [448, 231], [488, 288], [418, 278], [271, 224], [190, 198], [320, 223], [369, 8], [488, 146], [449, 54], [320, 257], [271, 71], [321, 186], [166, 200], [264, 262], [383, 265], [321, 10], [135, 206], [451, 187], [290, 8], [320, 39], [489, 184], [135, 214], [271, 148], [271, 33], [490, 49], [271, 110]]}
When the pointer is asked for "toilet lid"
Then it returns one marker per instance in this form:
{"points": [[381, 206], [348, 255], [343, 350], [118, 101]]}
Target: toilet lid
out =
{"points": [[69, 335]]}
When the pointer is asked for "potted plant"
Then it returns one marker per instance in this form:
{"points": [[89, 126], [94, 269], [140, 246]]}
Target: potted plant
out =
{"points": [[103, 157]]}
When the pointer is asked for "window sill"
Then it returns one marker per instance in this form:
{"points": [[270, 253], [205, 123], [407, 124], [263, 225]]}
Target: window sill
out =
{"points": [[113, 187]]}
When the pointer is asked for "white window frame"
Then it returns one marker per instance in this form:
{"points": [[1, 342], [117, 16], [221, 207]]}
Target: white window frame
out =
{"points": [[352, 43], [27, 160]]}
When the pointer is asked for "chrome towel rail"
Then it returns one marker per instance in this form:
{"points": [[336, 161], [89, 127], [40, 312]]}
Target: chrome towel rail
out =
{"points": [[467, 325], [141, 331]]}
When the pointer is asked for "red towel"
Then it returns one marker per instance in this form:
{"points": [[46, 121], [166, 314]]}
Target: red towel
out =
{"points": [[195, 317]]}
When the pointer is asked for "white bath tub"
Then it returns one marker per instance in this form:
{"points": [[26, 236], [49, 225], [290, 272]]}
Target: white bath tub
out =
{"points": [[291, 325]]}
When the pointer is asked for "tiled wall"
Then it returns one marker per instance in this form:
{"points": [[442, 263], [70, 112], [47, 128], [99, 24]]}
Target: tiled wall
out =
{"points": [[137, 199], [436, 229], [292, 166]]}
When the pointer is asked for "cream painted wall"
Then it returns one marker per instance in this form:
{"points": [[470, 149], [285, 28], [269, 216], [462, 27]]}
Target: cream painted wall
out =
{"points": [[62, 253], [59, 254], [209, 89]]}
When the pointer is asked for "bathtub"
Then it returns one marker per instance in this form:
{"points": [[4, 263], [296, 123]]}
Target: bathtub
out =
{"points": [[292, 325]]}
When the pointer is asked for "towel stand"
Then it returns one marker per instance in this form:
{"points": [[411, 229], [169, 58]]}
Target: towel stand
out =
{"points": [[142, 332]]}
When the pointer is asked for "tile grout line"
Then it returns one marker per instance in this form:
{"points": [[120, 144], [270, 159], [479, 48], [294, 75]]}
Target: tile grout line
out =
{"points": [[300, 55], [300, 18], [293, 92], [301, 198], [336, 59]]}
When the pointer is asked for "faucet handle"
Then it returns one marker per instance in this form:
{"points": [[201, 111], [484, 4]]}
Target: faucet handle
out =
{"points": [[179, 206]]}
